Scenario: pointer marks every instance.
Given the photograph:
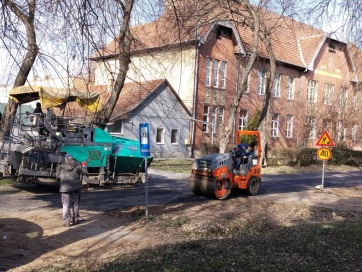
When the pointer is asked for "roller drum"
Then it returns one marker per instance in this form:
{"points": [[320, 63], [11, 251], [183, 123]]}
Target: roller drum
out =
{"points": [[210, 187]]}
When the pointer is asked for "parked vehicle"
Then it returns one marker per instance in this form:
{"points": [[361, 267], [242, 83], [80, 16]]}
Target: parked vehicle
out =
{"points": [[215, 175], [38, 143]]}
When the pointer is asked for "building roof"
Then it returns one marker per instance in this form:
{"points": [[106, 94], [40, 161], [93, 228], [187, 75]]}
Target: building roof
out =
{"points": [[293, 42], [135, 93]]}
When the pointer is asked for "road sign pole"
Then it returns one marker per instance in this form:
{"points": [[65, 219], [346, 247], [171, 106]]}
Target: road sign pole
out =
{"points": [[324, 163], [146, 181], [144, 135], [323, 154]]}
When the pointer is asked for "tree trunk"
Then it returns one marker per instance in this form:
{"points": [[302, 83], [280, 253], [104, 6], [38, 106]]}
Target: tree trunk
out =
{"points": [[250, 60], [27, 64], [125, 41], [264, 116]]}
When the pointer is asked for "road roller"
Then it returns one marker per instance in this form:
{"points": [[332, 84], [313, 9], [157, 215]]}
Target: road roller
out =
{"points": [[214, 175]]}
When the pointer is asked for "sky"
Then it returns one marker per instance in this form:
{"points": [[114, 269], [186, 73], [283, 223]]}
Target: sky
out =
{"points": [[144, 10]]}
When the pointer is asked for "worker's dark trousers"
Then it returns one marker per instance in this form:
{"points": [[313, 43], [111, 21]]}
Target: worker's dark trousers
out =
{"points": [[70, 200]]}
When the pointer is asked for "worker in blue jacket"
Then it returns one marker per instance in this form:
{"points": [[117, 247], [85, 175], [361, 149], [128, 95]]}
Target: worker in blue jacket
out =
{"points": [[243, 152]]}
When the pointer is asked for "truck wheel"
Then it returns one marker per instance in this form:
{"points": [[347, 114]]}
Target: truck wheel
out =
{"points": [[254, 186]]}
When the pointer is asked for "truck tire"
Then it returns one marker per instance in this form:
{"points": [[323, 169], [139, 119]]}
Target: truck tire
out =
{"points": [[254, 186]]}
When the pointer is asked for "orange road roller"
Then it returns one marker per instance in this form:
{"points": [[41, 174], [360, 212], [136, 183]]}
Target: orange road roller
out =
{"points": [[214, 175]]}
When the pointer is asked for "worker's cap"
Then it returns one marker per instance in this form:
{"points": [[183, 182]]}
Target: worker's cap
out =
{"points": [[69, 156]]}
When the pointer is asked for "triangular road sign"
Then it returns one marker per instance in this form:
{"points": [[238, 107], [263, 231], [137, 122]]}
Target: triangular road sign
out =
{"points": [[325, 140]]}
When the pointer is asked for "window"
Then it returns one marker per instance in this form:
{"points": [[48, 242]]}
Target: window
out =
{"points": [[117, 128], [277, 86], [261, 82], [243, 119], [355, 100], [206, 119], [220, 119], [223, 74], [289, 126], [213, 120], [175, 132], [215, 73], [340, 127], [328, 94], [208, 72], [291, 88], [248, 84], [160, 135], [275, 125], [110, 84], [343, 97], [312, 91], [354, 133], [311, 124]]}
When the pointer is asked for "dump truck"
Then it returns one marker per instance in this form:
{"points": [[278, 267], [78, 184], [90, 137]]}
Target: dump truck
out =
{"points": [[214, 175], [37, 143]]}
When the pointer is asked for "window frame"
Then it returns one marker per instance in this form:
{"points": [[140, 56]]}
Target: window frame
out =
{"points": [[274, 130], [205, 127], [215, 73], [243, 120], [312, 91], [220, 118], [261, 82], [248, 84], [291, 83], [343, 97], [289, 123], [277, 81], [355, 100], [111, 127], [328, 94], [177, 129], [213, 120], [223, 75], [208, 72], [354, 133], [339, 128], [312, 122], [162, 135]]}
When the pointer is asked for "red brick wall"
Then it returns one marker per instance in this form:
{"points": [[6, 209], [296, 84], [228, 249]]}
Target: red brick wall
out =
{"points": [[330, 66]]}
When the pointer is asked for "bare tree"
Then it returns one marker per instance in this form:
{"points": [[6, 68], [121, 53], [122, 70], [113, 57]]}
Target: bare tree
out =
{"points": [[124, 44], [26, 14], [261, 33]]}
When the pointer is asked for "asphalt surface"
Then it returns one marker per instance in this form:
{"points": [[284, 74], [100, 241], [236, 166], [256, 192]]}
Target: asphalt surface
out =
{"points": [[164, 188]]}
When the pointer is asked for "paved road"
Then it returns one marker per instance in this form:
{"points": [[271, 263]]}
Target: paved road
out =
{"points": [[285, 183], [164, 188]]}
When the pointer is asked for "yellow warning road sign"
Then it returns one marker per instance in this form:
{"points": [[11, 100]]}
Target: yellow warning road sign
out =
{"points": [[325, 140], [324, 154]]}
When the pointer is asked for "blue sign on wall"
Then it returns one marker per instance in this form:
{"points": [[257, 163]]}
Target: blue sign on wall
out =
{"points": [[145, 139]]}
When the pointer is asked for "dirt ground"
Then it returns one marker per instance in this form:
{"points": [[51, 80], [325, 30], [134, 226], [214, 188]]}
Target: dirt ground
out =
{"points": [[34, 239]]}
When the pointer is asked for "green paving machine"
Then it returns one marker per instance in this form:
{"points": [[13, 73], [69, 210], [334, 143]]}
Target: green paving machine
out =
{"points": [[38, 143]]}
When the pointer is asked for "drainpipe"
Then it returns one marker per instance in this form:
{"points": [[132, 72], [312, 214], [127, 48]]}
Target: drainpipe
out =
{"points": [[238, 63], [298, 101], [196, 79]]}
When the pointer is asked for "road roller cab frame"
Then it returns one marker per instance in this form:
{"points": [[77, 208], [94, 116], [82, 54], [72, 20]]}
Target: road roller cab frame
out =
{"points": [[215, 175]]}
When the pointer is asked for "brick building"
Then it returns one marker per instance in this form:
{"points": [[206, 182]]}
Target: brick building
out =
{"points": [[316, 85]]}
